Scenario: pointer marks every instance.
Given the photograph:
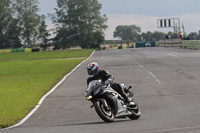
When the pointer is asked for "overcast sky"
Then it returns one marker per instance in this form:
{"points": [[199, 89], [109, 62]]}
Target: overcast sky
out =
{"points": [[143, 13]]}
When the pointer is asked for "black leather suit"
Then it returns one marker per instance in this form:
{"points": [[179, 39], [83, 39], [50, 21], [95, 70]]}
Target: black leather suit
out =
{"points": [[103, 76]]}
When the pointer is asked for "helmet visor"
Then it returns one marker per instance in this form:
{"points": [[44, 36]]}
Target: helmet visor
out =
{"points": [[91, 72]]}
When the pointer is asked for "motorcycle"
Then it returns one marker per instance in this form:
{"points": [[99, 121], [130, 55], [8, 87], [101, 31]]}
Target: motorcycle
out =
{"points": [[109, 104]]}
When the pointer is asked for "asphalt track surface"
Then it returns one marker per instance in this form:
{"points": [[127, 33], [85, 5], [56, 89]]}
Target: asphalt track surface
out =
{"points": [[166, 84]]}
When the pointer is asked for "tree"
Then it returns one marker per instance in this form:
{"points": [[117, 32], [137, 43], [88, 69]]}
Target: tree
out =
{"points": [[159, 35], [26, 12], [43, 35], [193, 36], [5, 20], [127, 32], [13, 35], [147, 36], [152, 36], [78, 22]]}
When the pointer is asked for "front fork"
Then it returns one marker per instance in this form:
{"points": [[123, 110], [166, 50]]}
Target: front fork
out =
{"points": [[105, 105]]}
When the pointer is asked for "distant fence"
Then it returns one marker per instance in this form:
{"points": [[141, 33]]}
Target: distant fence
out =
{"points": [[174, 42], [17, 50], [191, 44]]}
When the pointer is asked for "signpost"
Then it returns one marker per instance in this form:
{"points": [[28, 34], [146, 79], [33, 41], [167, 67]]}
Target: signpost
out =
{"points": [[169, 23]]}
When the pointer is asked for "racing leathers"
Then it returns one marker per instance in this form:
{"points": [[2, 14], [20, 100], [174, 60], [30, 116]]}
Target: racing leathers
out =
{"points": [[106, 78]]}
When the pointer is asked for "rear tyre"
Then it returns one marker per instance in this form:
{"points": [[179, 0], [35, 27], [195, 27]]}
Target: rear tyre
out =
{"points": [[105, 115]]}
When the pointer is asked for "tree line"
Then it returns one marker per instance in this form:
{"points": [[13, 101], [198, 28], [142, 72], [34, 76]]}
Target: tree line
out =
{"points": [[77, 23], [133, 33], [20, 24]]}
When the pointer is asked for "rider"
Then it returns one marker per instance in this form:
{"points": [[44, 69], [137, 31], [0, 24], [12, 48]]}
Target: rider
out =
{"points": [[95, 73]]}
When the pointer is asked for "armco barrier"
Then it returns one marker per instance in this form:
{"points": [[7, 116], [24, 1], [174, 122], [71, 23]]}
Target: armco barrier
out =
{"points": [[143, 44], [174, 42], [17, 50], [35, 50], [192, 44]]}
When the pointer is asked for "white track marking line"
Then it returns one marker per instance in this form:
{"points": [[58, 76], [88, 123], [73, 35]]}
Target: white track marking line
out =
{"points": [[141, 66], [47, 94], [150, 73], [172, 55], [156, 79]]}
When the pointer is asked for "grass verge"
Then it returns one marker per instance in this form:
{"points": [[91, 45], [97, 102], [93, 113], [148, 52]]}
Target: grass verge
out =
{"points": [[47, 54], [24, 82]]}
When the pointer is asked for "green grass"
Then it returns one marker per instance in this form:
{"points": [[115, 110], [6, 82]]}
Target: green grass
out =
{"points": [[24, 82], [47, 54]]}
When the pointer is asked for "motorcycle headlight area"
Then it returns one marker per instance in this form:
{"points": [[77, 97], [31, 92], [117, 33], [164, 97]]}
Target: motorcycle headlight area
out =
{"points": [[89, 97]]}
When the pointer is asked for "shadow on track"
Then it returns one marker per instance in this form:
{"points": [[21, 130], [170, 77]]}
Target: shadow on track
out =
{"points": [[91, 123]]}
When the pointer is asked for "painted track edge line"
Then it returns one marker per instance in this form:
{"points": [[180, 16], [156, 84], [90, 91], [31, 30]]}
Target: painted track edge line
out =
{"points": [[47, 94]]}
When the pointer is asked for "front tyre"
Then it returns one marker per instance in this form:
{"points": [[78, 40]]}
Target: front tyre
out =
{"points": [[136, 113], [104, 114]]}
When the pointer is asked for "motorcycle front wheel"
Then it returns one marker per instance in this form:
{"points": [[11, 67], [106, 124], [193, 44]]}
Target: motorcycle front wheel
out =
{"points": [[136, 112], [104, 114]]}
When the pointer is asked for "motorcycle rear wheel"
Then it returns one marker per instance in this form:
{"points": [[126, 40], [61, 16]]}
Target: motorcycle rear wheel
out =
{"points": [[105, 115]]}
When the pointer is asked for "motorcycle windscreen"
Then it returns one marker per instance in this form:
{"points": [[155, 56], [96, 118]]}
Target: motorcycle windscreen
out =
{"points": [[90, 87], [97, 89]]}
